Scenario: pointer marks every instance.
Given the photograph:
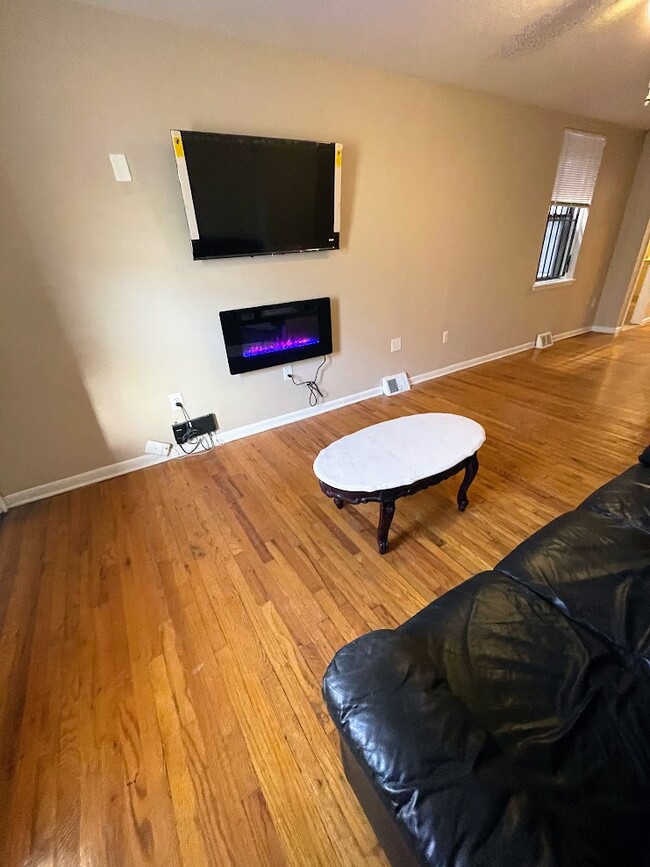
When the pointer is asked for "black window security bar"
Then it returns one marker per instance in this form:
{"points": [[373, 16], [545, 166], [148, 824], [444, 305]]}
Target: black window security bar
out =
{"points": [[561, 227]]}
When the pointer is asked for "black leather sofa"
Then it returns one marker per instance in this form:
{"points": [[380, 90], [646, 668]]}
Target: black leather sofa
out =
{"points": [[508, 723]]}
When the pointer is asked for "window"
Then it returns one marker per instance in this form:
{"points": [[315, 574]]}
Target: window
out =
{"points": [[567, 216]]}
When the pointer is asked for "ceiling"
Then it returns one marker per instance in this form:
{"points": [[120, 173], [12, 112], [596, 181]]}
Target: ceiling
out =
{"points": [[591, 57]]}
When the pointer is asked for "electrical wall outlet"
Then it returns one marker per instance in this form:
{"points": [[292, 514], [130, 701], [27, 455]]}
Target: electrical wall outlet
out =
{"points": [[445, 336], [155, 447], [176, 397], [396, 344], [287, 372]]}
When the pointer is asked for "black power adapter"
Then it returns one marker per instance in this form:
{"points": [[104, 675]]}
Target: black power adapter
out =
{"points": [[193, 427]]}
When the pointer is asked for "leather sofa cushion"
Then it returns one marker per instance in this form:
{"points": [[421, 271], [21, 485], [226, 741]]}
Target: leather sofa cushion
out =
{"points": [[626, 497], [497, 731], [594, 563]]}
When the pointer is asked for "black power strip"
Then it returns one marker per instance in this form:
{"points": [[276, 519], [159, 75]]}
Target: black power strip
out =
{"points": [[195, 427]]}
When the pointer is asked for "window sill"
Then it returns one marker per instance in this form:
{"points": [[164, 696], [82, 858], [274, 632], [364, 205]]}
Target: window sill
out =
{"points": [[543, 284]]}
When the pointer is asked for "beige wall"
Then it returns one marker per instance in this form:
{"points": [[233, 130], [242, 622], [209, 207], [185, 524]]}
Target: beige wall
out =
{"points": [[47, 425], [445, 194], [628, 252]]}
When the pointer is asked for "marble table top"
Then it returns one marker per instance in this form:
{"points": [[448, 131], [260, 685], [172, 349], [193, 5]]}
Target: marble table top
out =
{"points": [[398, 452]]}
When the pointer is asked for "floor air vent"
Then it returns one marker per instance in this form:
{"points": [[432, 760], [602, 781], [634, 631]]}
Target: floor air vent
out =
{"points": [[543, 340]]}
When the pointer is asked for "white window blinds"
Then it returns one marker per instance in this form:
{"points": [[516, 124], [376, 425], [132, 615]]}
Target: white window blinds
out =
{"points": [[578, 169]]}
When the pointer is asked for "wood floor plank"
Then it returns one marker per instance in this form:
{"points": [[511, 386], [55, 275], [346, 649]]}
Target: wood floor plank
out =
{"points": [[163, 635], [183, 793]]}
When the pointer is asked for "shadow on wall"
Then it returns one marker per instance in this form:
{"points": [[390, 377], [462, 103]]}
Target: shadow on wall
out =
{"points": [[48, 428], [552, 25]]}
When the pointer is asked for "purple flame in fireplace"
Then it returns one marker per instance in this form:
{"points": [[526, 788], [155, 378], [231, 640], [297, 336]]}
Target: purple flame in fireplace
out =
{"points": [[268, 346]]}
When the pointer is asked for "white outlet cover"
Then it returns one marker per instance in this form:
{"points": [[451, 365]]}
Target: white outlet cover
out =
{"points": [[176, 397], [155, 447], [287, 370], [396, 344]]}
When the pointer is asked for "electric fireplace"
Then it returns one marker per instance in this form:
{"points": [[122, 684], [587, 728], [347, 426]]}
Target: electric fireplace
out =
{"points": [[273, 334]]}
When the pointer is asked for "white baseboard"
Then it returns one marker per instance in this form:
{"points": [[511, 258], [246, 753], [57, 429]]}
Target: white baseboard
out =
{"points": [[605, 329], [247, 430], [3, 506], [50, 489], [492, 356], [472, 362], [29, 495], [575, 333], [225, 436]]}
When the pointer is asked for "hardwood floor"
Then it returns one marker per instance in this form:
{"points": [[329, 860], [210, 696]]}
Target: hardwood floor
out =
{"points": [[163, 635]]}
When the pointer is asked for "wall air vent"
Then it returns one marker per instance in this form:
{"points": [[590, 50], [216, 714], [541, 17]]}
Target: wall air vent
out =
{"points": [[395, 384], [543, 340]]}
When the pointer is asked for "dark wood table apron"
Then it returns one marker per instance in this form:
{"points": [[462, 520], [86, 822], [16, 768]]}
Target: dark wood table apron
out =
{"points": [[386, 498]]}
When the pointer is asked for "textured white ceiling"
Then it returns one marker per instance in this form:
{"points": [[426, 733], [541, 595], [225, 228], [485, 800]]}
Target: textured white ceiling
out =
{"points": [[586, 56]]}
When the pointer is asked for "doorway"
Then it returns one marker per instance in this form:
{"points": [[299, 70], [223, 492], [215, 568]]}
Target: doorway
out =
{"points": [[638, 311]]}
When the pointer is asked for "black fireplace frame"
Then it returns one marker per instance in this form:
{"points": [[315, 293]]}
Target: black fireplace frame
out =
{"points": [[233, 320]]}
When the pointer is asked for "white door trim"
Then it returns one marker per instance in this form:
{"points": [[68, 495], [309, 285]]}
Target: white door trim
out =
{"points": [[642, 302]]}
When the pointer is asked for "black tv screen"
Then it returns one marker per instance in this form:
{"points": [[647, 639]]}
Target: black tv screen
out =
{"points": [[249, 196]]}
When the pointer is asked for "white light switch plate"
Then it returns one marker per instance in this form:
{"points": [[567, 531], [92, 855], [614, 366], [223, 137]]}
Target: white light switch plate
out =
{"points": [[120, 168], [396, 344]]}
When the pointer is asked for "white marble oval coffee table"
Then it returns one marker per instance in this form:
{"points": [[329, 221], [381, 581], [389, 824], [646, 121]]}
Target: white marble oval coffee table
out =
{"points": [[397, 458]]}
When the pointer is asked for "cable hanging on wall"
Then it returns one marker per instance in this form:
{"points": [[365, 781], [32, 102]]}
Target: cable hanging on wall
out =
{"points": [[315, 394]]}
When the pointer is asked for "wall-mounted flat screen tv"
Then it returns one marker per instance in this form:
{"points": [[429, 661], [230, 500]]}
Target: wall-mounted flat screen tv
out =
{"points": [[249, 196]]}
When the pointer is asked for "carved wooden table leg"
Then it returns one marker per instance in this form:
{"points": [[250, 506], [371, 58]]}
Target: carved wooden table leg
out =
{"points": [[386, 497], [386, 512], [471, 469]]}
